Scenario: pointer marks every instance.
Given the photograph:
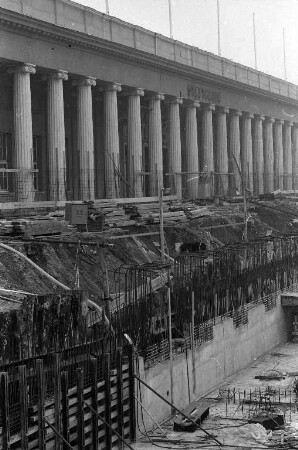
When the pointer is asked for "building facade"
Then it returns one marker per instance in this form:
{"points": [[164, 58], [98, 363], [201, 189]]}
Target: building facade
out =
{"points": [[93, 107]]}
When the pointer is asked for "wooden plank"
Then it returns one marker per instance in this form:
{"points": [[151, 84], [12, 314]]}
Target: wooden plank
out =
{"points": [[23, 406], [4, 408], [120, 395], [80, 410], [107, 373], [65, 412], [93, 366], [123, 236], [40, 403], [132, 405], [168, 198], [57, 398]]}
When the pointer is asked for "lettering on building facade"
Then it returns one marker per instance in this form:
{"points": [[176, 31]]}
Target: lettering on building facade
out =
{"points": [[202, 94]]}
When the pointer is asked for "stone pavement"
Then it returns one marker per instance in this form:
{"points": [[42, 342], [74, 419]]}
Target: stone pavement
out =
{"points": [[237, 401]]}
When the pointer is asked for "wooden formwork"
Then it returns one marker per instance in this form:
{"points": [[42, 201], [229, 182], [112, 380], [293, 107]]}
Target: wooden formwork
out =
{"points": [[74, 416]]}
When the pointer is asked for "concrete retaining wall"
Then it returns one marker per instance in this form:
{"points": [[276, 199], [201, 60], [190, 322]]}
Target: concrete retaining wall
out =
{"points": [[231, 350]]}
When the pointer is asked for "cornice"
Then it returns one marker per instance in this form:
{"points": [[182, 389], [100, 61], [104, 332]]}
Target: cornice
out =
{"points": [[13, 21]]}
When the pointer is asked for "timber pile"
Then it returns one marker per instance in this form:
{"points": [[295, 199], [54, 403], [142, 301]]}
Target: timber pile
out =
{"points": [[150, 214], [175, 217], [115, 215], [201, 211], [118, 218], [119, 215]]}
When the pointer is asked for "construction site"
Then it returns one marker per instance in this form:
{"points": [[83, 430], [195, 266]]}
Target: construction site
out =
{"points": [[148, 239], [119, 316]]}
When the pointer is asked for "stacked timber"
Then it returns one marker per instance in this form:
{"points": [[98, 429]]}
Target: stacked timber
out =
{"points": [[114, 214], [200, 211], [118, 218], [149, 212], [174, 218]]}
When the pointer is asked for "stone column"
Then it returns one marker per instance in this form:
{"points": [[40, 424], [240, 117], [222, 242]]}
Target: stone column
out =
{"points": [[155, 145], [287, 156], [174, 149], [192, 152], [207, 144], [295, 156], [278, 154], [221, 153], [134, 143], [246, 151], [258, 155], [56, 134], [85, 140], [234, 151], [23, 140], [112, 166], [268, 155]]}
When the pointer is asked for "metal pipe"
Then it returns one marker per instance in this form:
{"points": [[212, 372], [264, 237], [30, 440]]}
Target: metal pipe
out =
{"points": [[57, 433], [108, 425], [218, 29], [170, 19], [151, 417], [43, 272]]}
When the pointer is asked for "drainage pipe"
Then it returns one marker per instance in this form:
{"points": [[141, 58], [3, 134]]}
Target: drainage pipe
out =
{"points": [[90, 303], [6, 247]]}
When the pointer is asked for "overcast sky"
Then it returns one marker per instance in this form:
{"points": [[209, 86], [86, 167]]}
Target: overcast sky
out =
{"points": [[195, 23]]}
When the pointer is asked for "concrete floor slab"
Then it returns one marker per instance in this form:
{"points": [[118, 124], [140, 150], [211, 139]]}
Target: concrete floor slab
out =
{"points": [[237, 401]]}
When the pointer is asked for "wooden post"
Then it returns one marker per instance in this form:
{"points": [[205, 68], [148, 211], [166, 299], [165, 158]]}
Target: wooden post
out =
{"points": [[80, 410], [23, 406], [120, 396], [162, 236], [40, 404], [132, 405], [170, 344], [64, 401], [93, 364], [193, 353], [57, 398], [107, 369], [4, 408]]}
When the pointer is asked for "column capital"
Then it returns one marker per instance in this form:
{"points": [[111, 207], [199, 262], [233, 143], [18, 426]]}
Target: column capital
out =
{"points": [[288, 123], [235, 112], [134, 92], [269, 119], [59, 75], [221, 110], [23, 68], [260, 117], [208, 107], [174, 100], [247, 115], [110, 87], [86, 81], [192, 103], [156, 96], [279, 121]]}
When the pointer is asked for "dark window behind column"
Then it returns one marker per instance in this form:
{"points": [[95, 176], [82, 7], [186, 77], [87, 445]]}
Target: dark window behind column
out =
{"points": [[5, 160], [37, 163]]}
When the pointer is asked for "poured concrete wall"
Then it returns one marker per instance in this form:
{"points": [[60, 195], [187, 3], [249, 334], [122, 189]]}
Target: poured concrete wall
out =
{"points": [[231, 350]]}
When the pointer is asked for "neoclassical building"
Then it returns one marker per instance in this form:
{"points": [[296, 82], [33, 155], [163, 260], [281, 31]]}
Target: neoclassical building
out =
{"points": [[93, 107]]}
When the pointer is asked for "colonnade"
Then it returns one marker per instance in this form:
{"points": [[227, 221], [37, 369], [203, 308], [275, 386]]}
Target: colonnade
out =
{"points": [[258, 152]]}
